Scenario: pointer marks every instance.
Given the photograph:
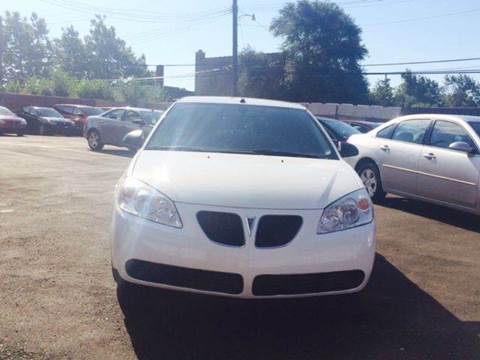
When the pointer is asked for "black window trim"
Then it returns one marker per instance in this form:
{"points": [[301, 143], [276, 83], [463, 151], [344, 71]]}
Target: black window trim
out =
{"points": [[427, 131], [429, 138], [111, 111], [394, 126], [125, 115]]}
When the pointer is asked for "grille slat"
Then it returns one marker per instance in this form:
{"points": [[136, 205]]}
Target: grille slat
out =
{"points": [[223, 228], [206, 280], [277, 230], [297, 284]]}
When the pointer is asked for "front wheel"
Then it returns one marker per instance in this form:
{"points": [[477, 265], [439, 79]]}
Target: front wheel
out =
{"points": [[370, 176], [94, 141], [20, 134]]}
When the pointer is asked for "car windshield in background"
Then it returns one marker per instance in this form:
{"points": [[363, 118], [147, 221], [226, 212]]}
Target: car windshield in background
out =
{"points": [[150, 117], [5, 111], [48, 112], [92, 111], [476, 127], [339, 128], [242, 129]]}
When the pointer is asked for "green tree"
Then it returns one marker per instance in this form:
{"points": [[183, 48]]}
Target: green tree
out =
{"points": [[461, 90], [26, 47], [108, 55], [323, 48], [70, 53], [262, 75], [418, 91], [382, 93]]}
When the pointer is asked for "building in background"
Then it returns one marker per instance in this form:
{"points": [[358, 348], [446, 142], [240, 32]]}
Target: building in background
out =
{"points": [[213, 76]]}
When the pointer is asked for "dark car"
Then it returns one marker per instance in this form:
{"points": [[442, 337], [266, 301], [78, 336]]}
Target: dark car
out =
{"points": [[78, 114], [338, 130], [112, 126], [362, 125], [45, 120], [11, 123]]}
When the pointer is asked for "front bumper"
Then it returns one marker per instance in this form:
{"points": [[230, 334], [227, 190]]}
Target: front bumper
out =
{"points": [[151, 254], [12, 127]]}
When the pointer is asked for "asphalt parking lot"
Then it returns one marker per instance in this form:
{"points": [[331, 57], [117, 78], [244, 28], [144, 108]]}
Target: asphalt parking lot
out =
{"points": [[58, 300]]}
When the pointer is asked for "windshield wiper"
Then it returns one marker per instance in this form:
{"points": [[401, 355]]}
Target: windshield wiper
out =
{"points": [[269, 152]]}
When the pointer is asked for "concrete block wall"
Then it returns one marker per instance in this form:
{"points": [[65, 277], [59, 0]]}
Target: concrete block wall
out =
{"points": [[350, 111]]}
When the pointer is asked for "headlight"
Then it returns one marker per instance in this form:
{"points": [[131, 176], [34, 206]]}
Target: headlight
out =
{"points": [[350, 211], [140, 199], [2, 122]]}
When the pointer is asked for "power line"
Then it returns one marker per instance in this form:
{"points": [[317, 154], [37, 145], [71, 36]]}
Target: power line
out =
{"points": [[426, 72], [423, 62], [463, 12], [134, 15]]}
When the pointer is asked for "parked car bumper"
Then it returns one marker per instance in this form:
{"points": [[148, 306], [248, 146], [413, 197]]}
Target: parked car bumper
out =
{"points": [[184, 259], [12, 127]]}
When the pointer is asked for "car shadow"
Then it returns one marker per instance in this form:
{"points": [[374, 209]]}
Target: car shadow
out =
{"points": [[443, 214], [118, 152], [392, 319]]}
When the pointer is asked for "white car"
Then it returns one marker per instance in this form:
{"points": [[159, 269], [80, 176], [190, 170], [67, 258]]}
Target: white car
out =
{"points": [[246, 198], [428, 157]]}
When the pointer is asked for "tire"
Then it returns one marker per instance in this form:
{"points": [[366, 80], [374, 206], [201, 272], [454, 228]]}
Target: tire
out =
{"points": [[94, 140], [370, 175], [20, 134]]}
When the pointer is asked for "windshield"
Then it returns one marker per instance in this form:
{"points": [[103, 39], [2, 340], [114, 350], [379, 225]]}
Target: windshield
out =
{"points": [[476, 127], [242, 129], [91, 111], [5, 111], [150, 117], [340, 129], [48, 112]]}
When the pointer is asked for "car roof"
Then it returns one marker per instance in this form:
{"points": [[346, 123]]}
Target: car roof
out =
{"points": [[464, 118], [77, 105], [373, 123], [240, 100], [133, 108]]}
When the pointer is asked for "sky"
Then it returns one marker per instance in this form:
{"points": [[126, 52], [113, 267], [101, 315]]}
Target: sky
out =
{"points": [[170, 32]]}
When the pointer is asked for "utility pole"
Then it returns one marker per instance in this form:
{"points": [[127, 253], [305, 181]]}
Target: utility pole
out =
{"points": [[235, 48]]}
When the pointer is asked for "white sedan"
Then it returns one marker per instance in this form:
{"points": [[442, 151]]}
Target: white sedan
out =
{"points": [[246, 198], [435, 158]]}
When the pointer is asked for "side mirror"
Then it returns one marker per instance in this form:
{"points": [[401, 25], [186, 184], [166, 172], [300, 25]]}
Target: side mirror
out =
{"points": [[133, 140], [348, 150], [461, 146]]}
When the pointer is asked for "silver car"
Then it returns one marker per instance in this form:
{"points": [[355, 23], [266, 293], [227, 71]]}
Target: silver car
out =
{"points": [[111, 127], [435, 158]]}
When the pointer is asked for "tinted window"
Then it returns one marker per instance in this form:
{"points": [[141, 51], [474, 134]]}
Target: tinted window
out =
{"points": [[412, 131], [151, 117], [91, 111], [445, 133], [241, 129], [48, 112], [114, 114], [132, 115], [387, 132], [340, 130], [360, 128]]}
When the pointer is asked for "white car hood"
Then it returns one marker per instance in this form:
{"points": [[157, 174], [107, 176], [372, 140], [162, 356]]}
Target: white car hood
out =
{"points": [[247, 181]]}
